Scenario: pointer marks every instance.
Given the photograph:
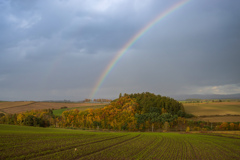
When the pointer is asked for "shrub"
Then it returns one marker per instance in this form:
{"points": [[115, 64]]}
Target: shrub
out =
{"points": [[196, 128], [2, 114], [187, 115]]}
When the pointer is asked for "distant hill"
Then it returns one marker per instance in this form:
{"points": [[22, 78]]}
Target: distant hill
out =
{"points": [[207, 96]]}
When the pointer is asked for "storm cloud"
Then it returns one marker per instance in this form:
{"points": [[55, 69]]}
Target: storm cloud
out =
{"points": [[58, 49]]}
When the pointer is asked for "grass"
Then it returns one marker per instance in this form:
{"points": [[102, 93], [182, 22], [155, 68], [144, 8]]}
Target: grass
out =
{"points": [[21, 142], [58, 112]]}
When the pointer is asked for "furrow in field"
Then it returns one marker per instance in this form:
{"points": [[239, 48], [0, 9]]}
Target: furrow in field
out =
{"points": [[176, 147], [50, 148], [23, 141], [78, 145], [24, 145], [198, 149], [145, 146], [219, 145], [161, 148], [129, 150], [105, 148], [151, 148], [80, 151], [192, 151]]}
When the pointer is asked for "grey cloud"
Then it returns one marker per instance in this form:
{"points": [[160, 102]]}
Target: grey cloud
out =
{"points": [[57, 49]]}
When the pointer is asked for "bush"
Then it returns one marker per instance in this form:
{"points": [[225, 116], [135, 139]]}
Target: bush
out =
{"points": [[196, 128], [207, 128], [187, 115], [64, 107], [2, 114]]}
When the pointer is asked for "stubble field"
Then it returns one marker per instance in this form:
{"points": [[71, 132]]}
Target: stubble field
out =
{"points": [[214, 112], [17, 107], [19, 142]]}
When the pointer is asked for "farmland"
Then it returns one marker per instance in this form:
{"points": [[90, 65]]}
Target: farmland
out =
{"points": [[58, 112], [215, 111], [17, 107], [21, 142]]}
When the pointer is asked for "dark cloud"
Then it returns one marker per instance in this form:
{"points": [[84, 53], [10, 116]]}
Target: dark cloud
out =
{"points": [[59, 49]]}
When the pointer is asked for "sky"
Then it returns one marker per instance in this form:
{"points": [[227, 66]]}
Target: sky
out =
{"points": [[59, 49]]}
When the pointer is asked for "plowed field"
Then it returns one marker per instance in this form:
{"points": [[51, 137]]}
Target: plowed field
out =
{"points": [[18, 142]]}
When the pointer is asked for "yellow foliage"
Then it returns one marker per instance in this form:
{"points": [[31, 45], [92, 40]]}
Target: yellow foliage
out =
{"points": [[231, 126], [224, 126]]}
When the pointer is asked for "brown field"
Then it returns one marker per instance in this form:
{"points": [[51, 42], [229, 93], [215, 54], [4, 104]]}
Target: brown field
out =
{"points": [[214, 111], [4, 105], [214, 108], [17, 107]]}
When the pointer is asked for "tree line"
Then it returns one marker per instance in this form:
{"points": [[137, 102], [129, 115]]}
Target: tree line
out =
{"points": [[37, 118], [97, 100], [130, 112]]}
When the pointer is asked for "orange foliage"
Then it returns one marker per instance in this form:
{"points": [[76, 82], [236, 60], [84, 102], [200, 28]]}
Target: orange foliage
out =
{"points": [[117, 115]]}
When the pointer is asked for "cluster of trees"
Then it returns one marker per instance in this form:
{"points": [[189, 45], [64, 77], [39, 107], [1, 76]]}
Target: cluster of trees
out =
{"points": [[129, 112], [227, 126], [38, 118], [149, 102], [118, 115], [208, 126]]}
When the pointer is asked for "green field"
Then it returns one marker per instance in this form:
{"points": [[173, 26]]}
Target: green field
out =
{"points": [[21, 142]]}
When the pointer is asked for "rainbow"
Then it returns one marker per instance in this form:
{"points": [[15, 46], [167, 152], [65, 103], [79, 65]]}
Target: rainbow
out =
{"points": [[132, 41]]}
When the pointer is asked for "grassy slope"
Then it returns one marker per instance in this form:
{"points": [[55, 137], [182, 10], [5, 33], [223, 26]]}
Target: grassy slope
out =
{"points": [[18, 142]]}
